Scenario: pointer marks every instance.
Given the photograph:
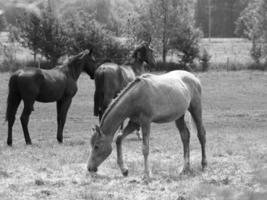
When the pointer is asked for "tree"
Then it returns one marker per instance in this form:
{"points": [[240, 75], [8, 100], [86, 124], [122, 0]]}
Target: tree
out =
{"points": [[44, 35], [210, 13], [252, 24], [3, 23], [84, 31], [29, 32], [163, 19], [185, 39]]}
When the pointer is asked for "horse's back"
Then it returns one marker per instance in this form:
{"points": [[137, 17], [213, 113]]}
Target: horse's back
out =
{"points": [[168, 96], [107, 85], [28, 79], [176, 80], [109, 75], [39, 84], [29, 74]]}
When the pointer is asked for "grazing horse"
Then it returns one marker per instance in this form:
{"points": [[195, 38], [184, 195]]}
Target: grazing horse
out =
{"points": [[57, 84], [111, 78], [150, 98]]}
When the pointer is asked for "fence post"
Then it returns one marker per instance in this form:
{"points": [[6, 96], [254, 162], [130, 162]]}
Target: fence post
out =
{"points": [[227, 65]]}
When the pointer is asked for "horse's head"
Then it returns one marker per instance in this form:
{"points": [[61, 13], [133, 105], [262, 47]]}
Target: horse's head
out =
{"points": [[144, 53], [89, 62], [101, 149]]}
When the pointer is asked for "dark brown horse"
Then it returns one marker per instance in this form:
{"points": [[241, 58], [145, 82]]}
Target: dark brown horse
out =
{"points": [[57, 84], [111, 78]]}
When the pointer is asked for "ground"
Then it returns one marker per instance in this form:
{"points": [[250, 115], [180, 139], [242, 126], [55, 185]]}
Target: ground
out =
{"points": [[235, 117]]}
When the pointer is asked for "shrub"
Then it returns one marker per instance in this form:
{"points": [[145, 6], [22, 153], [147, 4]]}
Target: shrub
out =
{"points": [[186, 40], [256, 52], [258, 66], [169, 66], [205, 59], [85, 32]]}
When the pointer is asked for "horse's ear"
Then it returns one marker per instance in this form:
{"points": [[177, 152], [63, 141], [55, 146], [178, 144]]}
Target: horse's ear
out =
{"points": [[90, 52], [138, 55], [98, 130], [93, 129], [146, 44]]}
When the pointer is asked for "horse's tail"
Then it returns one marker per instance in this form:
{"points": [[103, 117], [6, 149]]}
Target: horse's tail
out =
{"points": [[99, 91], [13, 98]]}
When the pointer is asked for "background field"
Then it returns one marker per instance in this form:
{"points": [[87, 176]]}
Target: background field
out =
{"points": [[226, 52], [235, 116]]}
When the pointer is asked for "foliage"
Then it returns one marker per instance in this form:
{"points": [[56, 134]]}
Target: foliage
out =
{"points": [[3, 22], [252, 24], [43, 35], [166, 21], [186, 40], [224, 13], [84, 32]]}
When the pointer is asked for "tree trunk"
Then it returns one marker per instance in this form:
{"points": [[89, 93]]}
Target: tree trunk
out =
{"points": [[34, 57], [164, 49]]}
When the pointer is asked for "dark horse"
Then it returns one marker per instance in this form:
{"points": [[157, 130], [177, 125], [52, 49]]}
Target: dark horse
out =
{"points": [[57, 84], [111, 78]]}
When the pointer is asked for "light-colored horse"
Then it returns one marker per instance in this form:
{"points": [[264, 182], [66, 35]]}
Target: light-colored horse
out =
{"points": [[150, 98]]}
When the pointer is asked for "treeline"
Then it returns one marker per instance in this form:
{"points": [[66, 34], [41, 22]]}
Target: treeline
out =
{"points": [[111, 28], [222, 16]]}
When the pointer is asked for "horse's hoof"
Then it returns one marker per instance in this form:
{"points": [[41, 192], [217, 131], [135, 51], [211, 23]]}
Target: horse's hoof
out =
{"points": [[60, 140], [9, 143], [125, 173], [146, 179], [29, 143], [204, 165], [186, 171]]}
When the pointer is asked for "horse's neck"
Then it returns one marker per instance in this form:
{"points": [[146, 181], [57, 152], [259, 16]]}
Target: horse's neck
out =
{"points": [[116, 115], [73, 70], [137, 66]]}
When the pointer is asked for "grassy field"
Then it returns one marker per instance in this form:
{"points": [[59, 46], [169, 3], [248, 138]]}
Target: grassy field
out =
{"points": [[235, 116]]}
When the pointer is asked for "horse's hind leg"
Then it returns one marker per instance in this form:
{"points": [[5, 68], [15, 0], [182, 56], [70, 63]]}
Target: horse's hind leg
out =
{"points": [[185, 136], [196, 112], [11, 116], [128, 130], [28, 108]]}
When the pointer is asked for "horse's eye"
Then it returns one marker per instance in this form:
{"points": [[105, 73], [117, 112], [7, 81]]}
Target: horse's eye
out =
{"points": [[93, 59], [96, 147]]}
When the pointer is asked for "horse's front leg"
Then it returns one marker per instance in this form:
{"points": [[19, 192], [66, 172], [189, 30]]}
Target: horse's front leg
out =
{"points": [[145, 148], [62, 110], [131, 126]]}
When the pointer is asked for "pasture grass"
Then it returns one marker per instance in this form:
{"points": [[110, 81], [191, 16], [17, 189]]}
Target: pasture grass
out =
{"points": [[235, 117]]}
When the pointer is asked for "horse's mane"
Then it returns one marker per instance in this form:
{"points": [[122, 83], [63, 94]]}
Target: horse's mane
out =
{"points": [[130, 60], [67, 62], [120, 95]]}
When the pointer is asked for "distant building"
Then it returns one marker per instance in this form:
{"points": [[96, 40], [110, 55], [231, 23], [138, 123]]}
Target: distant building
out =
{"points": [[222, 14]]}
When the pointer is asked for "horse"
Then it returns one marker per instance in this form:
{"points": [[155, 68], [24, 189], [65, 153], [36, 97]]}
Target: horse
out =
{"points": [[150, 98], [57, 84], [111, 78]]}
